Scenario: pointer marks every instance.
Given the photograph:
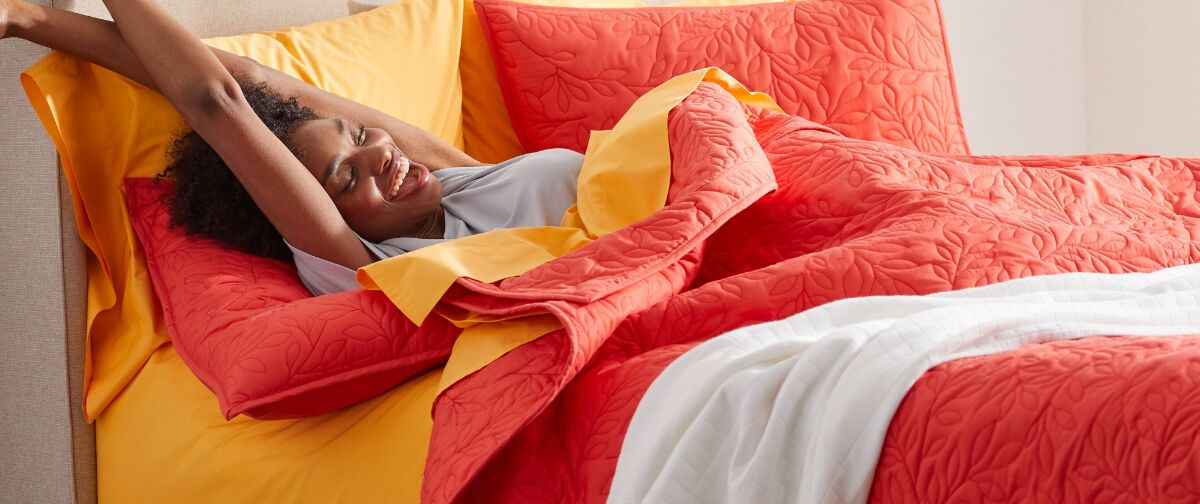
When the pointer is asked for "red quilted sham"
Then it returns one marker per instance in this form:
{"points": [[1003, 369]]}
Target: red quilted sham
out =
{"points": [[872, 69], [545, 422], [256, 337]]}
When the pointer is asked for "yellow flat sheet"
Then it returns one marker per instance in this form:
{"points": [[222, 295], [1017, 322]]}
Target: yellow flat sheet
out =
{"points": [[625, 177], [163, 439]]}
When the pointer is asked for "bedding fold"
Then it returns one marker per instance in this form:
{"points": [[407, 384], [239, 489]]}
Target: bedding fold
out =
{"points": [[766, 215], [627, 176]]}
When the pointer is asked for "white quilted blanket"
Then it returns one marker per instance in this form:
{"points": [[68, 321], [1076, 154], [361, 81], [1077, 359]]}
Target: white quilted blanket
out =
{"points": [[796, 410]]}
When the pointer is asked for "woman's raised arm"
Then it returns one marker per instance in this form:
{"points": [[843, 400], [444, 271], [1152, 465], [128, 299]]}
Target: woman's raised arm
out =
{"points": [[92, 39], [100, 42], [187, 73]]}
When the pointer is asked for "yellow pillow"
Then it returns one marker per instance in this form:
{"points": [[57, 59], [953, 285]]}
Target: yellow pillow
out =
{"points": [[108, 128], [487, 129]]}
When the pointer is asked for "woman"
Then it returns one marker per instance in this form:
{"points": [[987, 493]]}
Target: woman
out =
{"points": [[276, 167]]}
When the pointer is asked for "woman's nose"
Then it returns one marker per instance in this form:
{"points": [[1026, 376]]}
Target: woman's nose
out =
{"points": [[381, 159]]}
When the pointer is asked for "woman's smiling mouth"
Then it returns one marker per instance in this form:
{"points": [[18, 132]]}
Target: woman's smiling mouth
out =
{"points": [[407, 177], [400, 167]]}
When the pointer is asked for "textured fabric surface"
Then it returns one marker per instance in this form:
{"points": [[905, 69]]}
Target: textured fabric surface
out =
{"points": [[74, 257], [850, 218], [76, 101], [626, 177], [487, 130], [796, 410], [872, 69], [256, 337], [1083, 421], [46, 448]]}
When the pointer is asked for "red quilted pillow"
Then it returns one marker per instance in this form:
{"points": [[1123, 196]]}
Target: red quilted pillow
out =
{"points": [[872, 69], [250, 331]]}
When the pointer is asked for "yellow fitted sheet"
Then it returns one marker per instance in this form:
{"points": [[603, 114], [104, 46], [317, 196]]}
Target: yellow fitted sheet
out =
{"points": [[163, 439]]}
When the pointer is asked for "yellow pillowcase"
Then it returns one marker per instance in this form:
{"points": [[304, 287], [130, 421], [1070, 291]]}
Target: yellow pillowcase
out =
{"points": [[401, 59], [487, 129]]}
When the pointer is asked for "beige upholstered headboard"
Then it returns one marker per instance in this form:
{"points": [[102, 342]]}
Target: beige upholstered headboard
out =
{"points": [[47, 450]]}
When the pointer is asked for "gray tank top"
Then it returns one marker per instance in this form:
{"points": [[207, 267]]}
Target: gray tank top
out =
{"points": [[530, 190]]}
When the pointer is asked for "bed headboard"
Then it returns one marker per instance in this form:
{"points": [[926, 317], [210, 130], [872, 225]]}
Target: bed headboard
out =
{"points": [[48, 452]]}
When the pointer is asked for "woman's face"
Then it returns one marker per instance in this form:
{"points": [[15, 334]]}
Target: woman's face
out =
{"points": [[379, 191]]}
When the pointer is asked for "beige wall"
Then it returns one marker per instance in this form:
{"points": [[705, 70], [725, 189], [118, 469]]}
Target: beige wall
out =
{"points": [[1143, 76], [1073, 76], [1019, 66]]}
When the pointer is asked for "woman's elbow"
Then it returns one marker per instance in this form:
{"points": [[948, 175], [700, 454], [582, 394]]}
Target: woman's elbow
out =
{"points": [[213, 99], [248, 70]]}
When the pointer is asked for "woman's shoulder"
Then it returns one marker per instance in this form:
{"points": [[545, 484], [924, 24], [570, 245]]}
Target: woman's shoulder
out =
{"points": [[550, 167], [558, 153], [543, 166], [554, 158], [565, 159], [563, 163]]}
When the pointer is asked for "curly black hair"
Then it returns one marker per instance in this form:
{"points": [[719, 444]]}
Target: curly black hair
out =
{"points": [[209, 201]]}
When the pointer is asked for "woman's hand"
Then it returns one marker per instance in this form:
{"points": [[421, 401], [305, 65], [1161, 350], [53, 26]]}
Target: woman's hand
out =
{"points": [[12, 16]]}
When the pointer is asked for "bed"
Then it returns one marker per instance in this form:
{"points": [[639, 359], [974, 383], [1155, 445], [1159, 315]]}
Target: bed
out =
{"points": [[541, 417]]}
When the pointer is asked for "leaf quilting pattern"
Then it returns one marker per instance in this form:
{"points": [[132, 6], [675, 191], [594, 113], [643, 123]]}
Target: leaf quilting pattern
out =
{"points": [[545, 422], [1093, 420], [871, 69], [253, 334]]}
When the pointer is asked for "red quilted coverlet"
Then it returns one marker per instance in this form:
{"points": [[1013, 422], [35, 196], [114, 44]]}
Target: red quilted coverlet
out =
{"points": [[250, 331], [872, 69], [1091, 420], [545, 422]]}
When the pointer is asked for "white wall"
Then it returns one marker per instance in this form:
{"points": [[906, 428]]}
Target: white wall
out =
{"points": [[1143, 76], [1074, 76], [1019, 66]]}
